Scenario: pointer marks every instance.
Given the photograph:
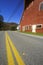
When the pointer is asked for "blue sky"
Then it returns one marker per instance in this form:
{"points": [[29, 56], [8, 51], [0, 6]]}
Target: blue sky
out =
{"points": [[11, 10]]}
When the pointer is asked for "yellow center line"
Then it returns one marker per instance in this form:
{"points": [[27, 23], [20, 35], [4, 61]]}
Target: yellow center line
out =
{"points": [[17, 56], [9, 54]]}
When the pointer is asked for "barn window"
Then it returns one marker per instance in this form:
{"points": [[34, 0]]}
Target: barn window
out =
{"points": [[41, 6], [38, 26], [23, 28], [30, 27], [27, 27]]}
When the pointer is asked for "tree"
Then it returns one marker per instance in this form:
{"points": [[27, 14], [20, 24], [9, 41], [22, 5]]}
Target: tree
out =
{"points": [[14, 27], [1, 21], [1, 18]]}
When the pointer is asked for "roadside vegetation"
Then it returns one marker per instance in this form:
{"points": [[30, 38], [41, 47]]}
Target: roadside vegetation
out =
{"points": [[39, 34]]}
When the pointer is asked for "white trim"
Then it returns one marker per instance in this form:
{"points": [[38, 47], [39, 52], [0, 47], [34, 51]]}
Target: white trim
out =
{"points": [[38, 24], [40, 5]]}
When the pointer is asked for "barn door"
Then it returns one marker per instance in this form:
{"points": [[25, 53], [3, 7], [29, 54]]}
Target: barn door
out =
{"points": [[33, 28]]}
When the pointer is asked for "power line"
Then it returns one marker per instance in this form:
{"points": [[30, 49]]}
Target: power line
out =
{"points": [[15, 10]]}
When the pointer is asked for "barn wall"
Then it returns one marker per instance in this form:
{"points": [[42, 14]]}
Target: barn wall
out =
{"points": [[32, 15]]}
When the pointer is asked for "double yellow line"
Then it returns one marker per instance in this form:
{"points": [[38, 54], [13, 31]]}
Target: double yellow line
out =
{"points": [[9, 53]]}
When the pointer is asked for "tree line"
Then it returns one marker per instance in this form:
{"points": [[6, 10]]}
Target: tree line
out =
{"points": [[7, 26]]}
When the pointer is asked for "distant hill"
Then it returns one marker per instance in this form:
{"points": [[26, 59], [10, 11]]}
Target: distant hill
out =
{"points": [[9, 26]]}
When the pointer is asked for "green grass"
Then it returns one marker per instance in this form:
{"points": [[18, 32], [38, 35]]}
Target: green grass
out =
{"points": [[39, 34]]}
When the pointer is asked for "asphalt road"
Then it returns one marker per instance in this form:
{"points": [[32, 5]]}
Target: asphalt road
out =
{"points": [[30, 48]]}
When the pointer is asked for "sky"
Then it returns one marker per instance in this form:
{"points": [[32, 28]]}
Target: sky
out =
{"points": [[11, 10]]}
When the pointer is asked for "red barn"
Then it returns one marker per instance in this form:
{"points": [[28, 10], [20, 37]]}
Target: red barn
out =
{"points": [[32, 19]]}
